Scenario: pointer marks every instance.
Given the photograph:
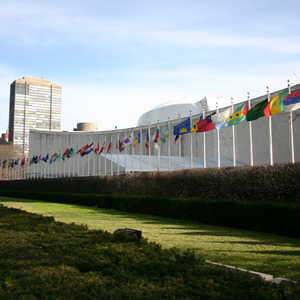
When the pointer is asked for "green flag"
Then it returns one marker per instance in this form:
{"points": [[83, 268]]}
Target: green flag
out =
{"points": [[257, 111]]}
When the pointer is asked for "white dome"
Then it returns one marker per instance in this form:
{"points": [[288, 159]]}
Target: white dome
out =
{"points": [[171, 110]]}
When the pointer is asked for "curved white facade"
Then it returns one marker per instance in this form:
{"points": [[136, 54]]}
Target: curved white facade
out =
{"points": [[174, 109]]}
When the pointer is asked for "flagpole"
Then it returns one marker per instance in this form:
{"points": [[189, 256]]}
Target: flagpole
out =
{"points": [[132, 151], [233, 137], [158, 147], [204, 141], [95, 155], [291, 129], [149, 154], [118, 152], [250, 133], [218, 137], [125, 155], [191, 141], [179, 146], [104, 156], [169, 146], [270, 132], [141, 149], [111, 162]]}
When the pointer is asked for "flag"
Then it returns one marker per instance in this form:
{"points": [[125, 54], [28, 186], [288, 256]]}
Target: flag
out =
{"points": [[34, 159], [52, 158], [72, 152], [85, 149], [147, 140], [239, 115], [121, 148], [81, 150], [108, 148], [45, 158], [16, 162], [102, 148], [165, 135], [275, 105], [57, 156], [155, 137], [292, 101], [206, 124], [4, 163], [23, 162], [65, 155], [75, 150], [97, 148], [88, 151], [176, 138], [137, 140], [12, 164], [220, 119], [127, 141], [194, 127], [182, 128], [257, 111]]}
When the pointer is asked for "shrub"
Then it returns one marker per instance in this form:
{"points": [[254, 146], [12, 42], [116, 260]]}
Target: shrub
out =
{"points": [[273, 217]]}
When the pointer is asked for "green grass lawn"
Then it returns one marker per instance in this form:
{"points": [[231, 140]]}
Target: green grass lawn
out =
{"points": [[261, 252]]}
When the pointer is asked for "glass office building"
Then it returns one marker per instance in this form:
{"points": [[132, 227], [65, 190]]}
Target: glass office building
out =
{"points": [[34, 104]]}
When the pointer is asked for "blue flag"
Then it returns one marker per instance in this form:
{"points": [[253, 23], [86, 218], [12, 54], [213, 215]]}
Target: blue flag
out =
{"points": [[183, 127]]}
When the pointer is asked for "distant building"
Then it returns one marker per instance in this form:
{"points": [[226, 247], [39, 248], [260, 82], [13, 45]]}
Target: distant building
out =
{"points": [[34, 104]]}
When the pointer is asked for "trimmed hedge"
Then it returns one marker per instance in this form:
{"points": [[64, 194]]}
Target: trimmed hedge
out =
{"points": [[272, 217], [279, 183]]}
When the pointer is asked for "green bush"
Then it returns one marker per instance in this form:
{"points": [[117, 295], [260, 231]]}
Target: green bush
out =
{"points": [[280, 183], [272, 217]]}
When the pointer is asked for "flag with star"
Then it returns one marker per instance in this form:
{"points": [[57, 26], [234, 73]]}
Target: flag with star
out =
{"points": [[275, 105], [206, 124], [239, 115]]}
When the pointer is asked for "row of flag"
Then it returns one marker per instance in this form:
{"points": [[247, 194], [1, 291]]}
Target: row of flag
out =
{"points": [[279, 103], [12, 163]]}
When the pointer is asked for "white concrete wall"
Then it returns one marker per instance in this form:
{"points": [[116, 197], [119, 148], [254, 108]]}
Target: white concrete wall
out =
{"points": [[138, 159]]}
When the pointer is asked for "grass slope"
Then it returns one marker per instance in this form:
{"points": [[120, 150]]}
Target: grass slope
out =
{"points": [[261, 252], [44, 259]]}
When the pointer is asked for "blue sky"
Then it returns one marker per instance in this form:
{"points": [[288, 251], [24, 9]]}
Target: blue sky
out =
{"points": [[117, 59]]}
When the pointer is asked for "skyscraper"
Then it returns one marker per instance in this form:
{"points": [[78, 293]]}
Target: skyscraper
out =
{"points": [[34, 104]]}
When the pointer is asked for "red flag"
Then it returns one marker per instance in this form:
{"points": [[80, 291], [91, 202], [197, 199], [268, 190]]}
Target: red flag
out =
{"points": [[121, 148], [109, 146], [102, 148], [205, 125], [97, 149], [23, 162]]}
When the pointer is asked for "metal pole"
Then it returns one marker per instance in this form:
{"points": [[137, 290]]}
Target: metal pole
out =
{"points": [[233, 137], [141, 149], [204, 141], [179, 146], [169, 146], [291, 130], [218, 139], [191, 142], [158, 147], [270, 132], [250, 133], [149, 153]]}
